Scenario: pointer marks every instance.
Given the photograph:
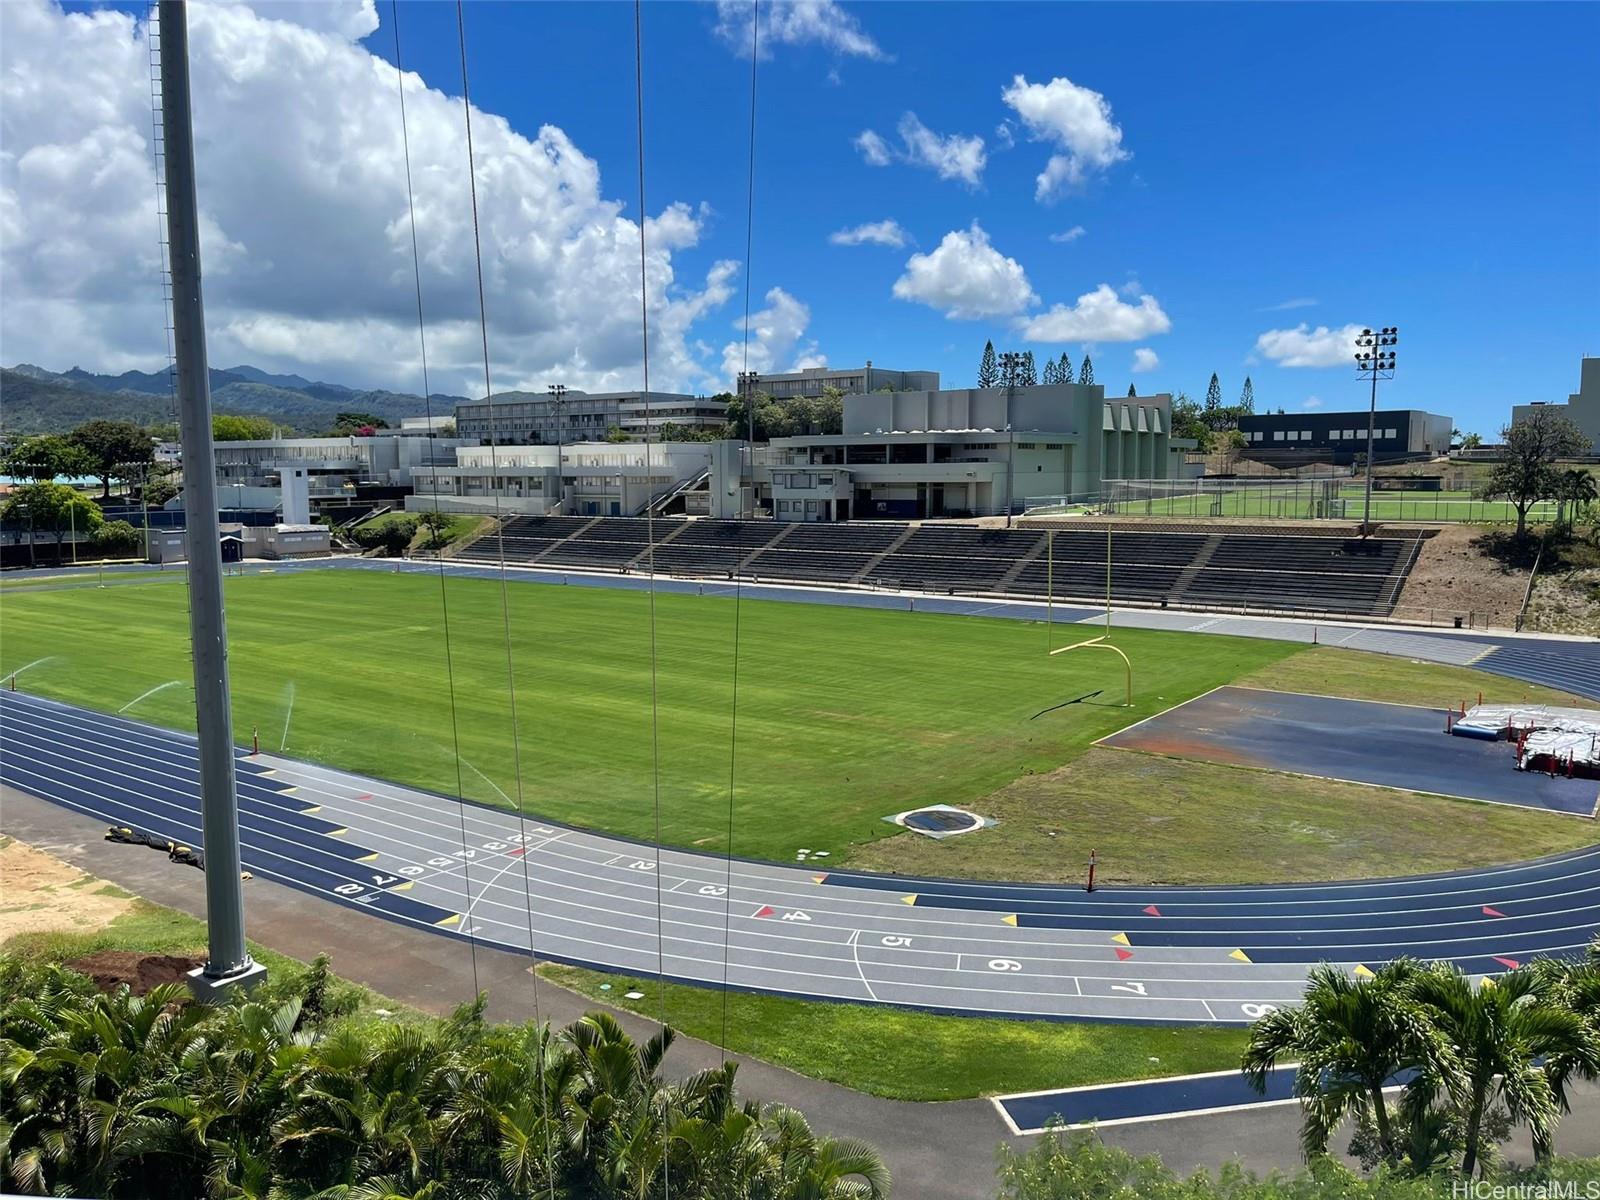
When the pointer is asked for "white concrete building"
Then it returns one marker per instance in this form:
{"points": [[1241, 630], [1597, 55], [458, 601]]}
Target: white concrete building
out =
{"points": [[334, 466], [593, 478], [813, 381], [1582, 406], [967, 452], [535, 419]]}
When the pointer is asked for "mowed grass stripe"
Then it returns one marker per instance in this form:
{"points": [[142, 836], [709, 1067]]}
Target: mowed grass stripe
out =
{"points": [[845, 715]]}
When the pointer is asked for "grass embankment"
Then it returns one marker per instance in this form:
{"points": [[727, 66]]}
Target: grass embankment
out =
{"points": [[915, 1055], [844, 716]]}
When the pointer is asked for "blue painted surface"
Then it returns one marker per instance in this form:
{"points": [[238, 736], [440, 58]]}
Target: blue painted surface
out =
{"points": [[1391, 745], [1156, 1097]]}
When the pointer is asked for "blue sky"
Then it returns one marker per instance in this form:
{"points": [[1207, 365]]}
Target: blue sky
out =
{"points": [[1251, 168]]}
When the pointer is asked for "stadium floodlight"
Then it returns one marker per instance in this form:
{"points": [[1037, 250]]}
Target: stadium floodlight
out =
{"points": [[558, 401], [1374, 362], [1010, 368]]}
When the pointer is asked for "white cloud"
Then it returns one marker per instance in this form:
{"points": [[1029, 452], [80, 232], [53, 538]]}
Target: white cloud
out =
{"points": [[1299, 302], [879, 233], [1069, 235], [1003, 137], [306, 240], [1076, 120], [795, 23], [1098, 316], [1312, 402], [1303, 346], [873, 148], [777, 340], [1145, 359], [965, 277], [951, 156]]}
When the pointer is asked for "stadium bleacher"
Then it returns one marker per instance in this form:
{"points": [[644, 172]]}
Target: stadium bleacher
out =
{"points": [[1293, 572]]}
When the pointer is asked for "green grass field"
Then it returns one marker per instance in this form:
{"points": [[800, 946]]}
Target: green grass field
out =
{"points": [[1297, 503], [844, 716]]}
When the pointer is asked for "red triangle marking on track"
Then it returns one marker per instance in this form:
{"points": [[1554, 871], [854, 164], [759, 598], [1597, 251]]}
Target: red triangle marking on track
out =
{"points": [[1123, 955], [1152, 911], [1492, 912], [519, 851], [1512, 963], [364, 796], [766, 910]]}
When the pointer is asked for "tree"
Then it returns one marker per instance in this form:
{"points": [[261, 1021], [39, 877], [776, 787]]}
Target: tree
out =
{"points": [[115, 449], [1086, 372], [988, 370], [350, 424], [1064, 368], [231, 427], [1027, 376], [1008, 371], [616, 433], [1213, 397], [439, 526], [1247, 397], [1496, 1038], [118, 539], [1527, 473], [1050, 375], [1189, 422], [392, 535], [47, 457], [671, 431], [1471, 441], [53, 508], [1131, 392], [1350, 1037], [1574, 492], [447, 429]]}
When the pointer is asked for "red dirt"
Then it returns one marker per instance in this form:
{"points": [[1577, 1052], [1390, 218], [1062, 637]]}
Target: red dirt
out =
{"points": [[1176, 745], [110, 969]]}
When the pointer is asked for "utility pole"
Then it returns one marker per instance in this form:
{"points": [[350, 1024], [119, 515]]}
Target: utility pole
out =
{"points": [[747, 389], [1374, 362], [228, 961], [1010, 365], [558, 399]]}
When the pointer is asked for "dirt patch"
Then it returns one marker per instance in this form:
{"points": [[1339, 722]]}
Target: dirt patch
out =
{"points": [[1453, 574], [45, 895], [111, 969], [1174, 744], [1566, 600]]}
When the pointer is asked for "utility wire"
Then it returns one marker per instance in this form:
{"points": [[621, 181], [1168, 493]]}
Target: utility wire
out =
{"points": [[738, 577], [505, 599], [650, 529], [427, 402]]}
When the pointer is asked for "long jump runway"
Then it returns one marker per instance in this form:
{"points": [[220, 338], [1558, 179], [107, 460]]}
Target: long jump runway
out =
{"points": [[1169, 954]]}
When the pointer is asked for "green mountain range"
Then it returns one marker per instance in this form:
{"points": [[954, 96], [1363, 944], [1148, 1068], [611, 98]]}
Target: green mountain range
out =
{"points": [[34, 400]]}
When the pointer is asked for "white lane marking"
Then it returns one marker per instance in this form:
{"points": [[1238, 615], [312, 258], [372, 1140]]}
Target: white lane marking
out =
{"points": [[511, 861], [1497, 939], [1209, 1013], [855, 953], [1294, 892]]}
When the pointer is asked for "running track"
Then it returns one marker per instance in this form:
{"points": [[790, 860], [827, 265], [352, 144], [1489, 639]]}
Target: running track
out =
{"points": [[1169, 954]]}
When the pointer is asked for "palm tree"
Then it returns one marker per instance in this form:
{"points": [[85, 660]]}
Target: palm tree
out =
{"points": [[1575, 487], [1351, 1038], [1497, 1035], [813, 1168], [1575, 986]]}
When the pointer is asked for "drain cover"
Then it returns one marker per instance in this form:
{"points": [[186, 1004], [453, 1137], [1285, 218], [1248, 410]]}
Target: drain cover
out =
{"points": [[940, 821]]}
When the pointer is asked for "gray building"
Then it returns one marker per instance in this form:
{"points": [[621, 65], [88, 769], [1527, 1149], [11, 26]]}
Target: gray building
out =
{"points": [[813, 381], [968, 452], [1341, 437], [1582, 406], [538, 419]]}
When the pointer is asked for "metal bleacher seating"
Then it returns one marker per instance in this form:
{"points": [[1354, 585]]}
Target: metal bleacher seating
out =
{"points": [[1291, 572]]}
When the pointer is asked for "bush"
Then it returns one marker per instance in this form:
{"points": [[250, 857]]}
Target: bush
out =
{"points": [[391, 536], [118, 539]]}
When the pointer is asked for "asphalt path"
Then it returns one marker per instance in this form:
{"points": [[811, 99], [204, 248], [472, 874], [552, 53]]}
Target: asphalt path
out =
{"points": [[1165, 954]]}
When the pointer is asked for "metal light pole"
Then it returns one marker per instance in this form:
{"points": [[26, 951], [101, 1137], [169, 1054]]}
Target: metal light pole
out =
{"points": [[1374, 362], [227, 960], [747, 389], [1010, 366], [558, 399]]}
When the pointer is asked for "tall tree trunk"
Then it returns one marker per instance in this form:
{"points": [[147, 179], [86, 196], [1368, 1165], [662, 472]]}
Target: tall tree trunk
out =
{"points": [[1380, 1114], [1469, 1160]]}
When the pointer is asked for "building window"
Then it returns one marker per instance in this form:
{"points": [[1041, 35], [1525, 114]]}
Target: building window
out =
{"points": [[1277, 435], [1391, 433]]}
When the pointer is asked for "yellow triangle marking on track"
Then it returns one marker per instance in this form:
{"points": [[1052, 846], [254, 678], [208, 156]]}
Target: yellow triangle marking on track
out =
{"points": [[911, 899], [452, 919], [315, 808], [1240, 955], [1121, 937], [818, 878], [268, 773], [1486, 982], [1011, 920], [403, 887], [288, 791], [1364, 972], [337, 832], [373, 857]]}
